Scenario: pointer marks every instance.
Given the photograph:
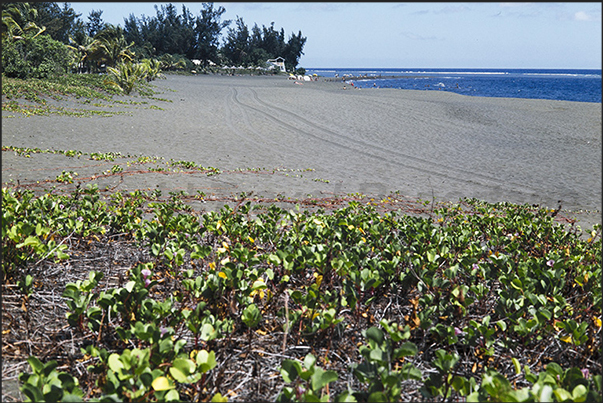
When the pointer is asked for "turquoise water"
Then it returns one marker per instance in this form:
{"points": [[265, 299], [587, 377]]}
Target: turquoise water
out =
{"points": [[559, 84]]}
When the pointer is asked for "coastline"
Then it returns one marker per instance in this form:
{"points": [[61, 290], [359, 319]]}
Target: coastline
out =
{"points": [[322, 141], [366, 77]]}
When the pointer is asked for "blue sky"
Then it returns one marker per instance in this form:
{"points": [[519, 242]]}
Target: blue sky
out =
{"points": [[414, 35]]}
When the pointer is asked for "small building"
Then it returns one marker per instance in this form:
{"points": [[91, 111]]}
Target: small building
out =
{"points": [[278, 63]]}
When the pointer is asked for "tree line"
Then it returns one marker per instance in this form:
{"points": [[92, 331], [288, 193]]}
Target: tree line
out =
{"points": [[44, 38]]}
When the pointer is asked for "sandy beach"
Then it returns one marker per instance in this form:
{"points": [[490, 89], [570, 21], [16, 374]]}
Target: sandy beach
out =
{"points": [[315, 138]]}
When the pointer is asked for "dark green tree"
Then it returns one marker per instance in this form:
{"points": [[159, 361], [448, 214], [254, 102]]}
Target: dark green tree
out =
{"points": [[208, 29], [236, 48], [256, 47], [175, 33], [95, 22], [294, 50], [133, 32], [59, 22], [273, 41], [149, 31], [258, 55]]}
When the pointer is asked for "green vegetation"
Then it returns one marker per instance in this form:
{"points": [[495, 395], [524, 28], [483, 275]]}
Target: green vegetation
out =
{"points": [[479, 302], [40, 40], [37, 57], [486, 302], [31, 96], [45, 48], [127, 76]]}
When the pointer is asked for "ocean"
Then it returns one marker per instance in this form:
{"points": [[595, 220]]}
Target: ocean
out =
{"points": [[560, 84]]}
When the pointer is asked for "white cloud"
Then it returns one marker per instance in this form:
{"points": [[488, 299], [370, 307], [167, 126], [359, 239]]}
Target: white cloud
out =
{"points": [[584, 16]]}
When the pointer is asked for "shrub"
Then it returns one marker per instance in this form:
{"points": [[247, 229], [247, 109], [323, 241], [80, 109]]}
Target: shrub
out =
{"points": [[38, 57], [126, 76]]}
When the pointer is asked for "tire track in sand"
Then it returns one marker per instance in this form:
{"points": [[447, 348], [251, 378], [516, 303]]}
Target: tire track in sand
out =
{"points": [[371, 150], [249, 134]]}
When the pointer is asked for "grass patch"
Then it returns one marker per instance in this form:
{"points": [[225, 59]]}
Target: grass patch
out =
{"points": [[85, 89]]}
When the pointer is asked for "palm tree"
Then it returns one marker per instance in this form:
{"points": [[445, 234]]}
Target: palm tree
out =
{"points": [[169, 62], [153, 67], [114, 51], [111, 47], [84, 48], [17, 22], [126, 76]]}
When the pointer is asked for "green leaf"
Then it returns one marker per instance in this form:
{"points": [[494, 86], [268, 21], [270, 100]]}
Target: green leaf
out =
{"points": [[72, 397], [35, 364], [517, 365], [130, 285], [162, 383], [258, 284], [165, 345], [114, 363], [346, 396], [290, 369], [182, 370], [321, 378], [206, 360], [219, 398], [579, 393], [251, 316], [33, 393], [562, 395], [473, 397], [458, 383], [432, 256], [29, 241], [172, 396], [409, 371], [365, 372], [545, 393], [49, 367], [274, 259], [554, 369], [377, 354], [405, 350], [378, 397], [375, 334], [309, 361], [62, 255]]}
